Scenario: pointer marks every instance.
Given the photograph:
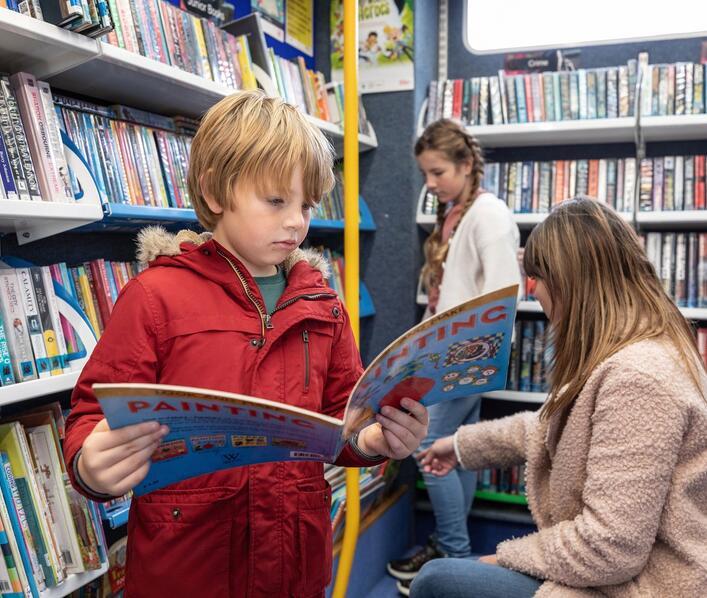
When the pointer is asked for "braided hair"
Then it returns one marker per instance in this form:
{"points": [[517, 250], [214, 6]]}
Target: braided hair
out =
{"points": [[449, 138]]}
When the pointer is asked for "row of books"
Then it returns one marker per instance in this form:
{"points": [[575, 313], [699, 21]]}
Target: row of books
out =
{"points": [[331, 206], [336, 279], [49, 531], [309, 91], [372, 484], [33, 165], [672, 183], [536, 97], [531, 354], [535, 187], [680, 261], [136, 157], [36, 340], [95, 286], [88, 17], [669, 89], [163, 32], [581, 94], [508, 480]]}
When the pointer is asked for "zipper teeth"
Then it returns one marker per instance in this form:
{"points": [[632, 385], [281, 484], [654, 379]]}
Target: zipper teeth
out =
{"points": [[291, 301], [248, 293], [305, 339]]}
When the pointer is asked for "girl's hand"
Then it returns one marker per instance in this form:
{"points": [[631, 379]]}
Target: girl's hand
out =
{"points": [[440, 458], [397, 433], [115, 461]]}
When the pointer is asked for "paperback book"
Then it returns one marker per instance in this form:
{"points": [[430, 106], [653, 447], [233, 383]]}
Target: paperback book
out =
{"points": [[457, 353]]}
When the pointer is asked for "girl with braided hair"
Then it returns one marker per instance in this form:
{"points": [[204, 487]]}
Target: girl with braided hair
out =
{"points": [[471, 251]]}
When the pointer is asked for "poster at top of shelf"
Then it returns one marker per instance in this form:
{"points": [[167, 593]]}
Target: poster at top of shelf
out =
{"points": [[273, 13], [385, 45], [299, 24]]}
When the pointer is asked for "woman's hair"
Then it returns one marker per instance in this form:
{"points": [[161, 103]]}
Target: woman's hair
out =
{"points": [[449, 138], [605, 295]]}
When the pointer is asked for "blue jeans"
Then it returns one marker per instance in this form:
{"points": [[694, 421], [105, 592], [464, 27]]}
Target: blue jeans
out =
{"points": [[451, 495], [469, 578]]}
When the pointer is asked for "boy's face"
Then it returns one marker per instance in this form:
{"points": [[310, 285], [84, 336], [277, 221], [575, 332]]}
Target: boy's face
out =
{"points": [[262, 230]]}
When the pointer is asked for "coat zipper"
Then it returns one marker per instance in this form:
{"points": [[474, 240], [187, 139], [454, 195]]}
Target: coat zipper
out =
{"points": [[265, 318], [305, 339], [253, 300]]}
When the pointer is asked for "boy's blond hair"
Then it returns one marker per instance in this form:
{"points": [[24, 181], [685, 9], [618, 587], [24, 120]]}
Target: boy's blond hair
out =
{"points": [[256, 141]]}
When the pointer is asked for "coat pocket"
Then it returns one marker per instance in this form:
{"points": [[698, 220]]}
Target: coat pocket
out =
{"points": [[180, 543], [314, 539]]}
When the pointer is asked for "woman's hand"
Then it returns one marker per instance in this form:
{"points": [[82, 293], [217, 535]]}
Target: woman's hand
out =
{"points": [[115, 461], [440, 458], [397, 433], [489, 559]]}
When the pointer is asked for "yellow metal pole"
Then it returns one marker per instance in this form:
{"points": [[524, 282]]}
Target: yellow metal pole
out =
{"points": [[351, 275]]}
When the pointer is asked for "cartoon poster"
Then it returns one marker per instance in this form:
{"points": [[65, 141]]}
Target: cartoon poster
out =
{"points": [[385, 44], [273, 13]]}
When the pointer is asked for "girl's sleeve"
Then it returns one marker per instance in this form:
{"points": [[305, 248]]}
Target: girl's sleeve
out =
{"points": [[497, 247], [126, 352], [636, 435]]}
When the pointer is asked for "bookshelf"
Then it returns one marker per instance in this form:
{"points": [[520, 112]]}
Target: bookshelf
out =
{"points": [[73, 583], [23, 391], [76, 63]]}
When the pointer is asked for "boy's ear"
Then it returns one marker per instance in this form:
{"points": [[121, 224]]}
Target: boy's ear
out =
{"points": [[214, 206]]}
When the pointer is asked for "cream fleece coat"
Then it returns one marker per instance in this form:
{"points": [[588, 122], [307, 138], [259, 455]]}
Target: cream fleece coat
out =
{"points": [[617, 485]]}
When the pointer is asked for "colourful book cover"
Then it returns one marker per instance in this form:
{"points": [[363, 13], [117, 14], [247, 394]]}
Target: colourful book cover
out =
{"points": [[459, 352]]}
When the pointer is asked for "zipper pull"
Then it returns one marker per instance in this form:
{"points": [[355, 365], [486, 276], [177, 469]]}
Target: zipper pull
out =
{"points": [[268, 322], [305, 336]]}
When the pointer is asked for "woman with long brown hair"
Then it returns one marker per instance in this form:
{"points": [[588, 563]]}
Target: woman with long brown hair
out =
{"points": [[471, 251], [617, 456]]}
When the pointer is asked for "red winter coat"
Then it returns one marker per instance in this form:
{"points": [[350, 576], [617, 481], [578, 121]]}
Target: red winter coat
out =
{"points": [[190, 319]]}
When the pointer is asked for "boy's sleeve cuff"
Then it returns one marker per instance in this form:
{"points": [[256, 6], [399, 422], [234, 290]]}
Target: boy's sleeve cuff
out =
{"points": [[353, 441], [98, 496]]}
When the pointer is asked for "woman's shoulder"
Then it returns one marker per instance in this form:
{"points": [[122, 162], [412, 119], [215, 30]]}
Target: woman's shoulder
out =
{"points": [[656, 360]]}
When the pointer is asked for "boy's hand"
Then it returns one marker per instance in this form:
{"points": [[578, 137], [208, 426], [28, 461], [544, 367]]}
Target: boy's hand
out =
{"points": [[115, 461], [440, 458], [397, 433]]}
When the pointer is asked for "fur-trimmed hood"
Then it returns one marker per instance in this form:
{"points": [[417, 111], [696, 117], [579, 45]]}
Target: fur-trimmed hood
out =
{"points": [[155, 241]]}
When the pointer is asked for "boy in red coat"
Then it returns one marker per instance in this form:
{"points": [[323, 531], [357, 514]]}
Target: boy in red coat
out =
{"points": [[242, 310]]}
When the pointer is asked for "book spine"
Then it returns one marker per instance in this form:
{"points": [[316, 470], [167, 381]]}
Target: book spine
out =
{"points": [[50, 341], [24, 154], [30, 104], [55, 145], [34, 324], [15, 328], [55, 318], [7, 376], [20, 528]]}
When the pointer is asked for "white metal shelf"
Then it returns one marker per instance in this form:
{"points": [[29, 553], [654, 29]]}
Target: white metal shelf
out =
{"points": [[566, 132], [40, 48], [73, 583], [22, 391], [515, 395], [694, 313], [529, 307], [683, 127], [33, 220], [118, 76], [673, 220]]}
